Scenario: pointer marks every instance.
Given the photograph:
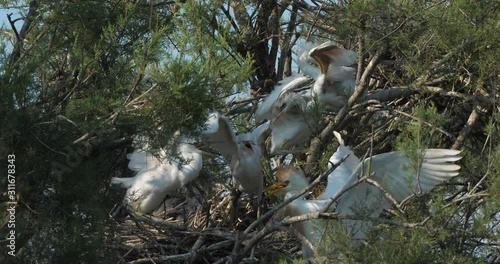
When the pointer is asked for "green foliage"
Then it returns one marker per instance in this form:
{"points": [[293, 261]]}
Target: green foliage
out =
{"points": [[419, 134], [100, 71], [294, 261], [89, 75]]}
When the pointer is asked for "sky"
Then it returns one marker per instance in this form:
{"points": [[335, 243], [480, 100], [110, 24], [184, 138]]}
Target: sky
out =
{"points": [[4, 23], [6, 27]]}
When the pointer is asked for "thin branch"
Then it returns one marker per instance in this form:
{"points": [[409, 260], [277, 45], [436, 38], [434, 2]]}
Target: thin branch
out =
{"points": [[271, 212], [464, 133], [13, 26], [318, 144], [337, 196], [235, 258], [361, 87], [47, 146], [467, 197], [386, 194], [336, 216], [389, 94], [483, 100], [426, 123], [247, 100], [361, 58]]}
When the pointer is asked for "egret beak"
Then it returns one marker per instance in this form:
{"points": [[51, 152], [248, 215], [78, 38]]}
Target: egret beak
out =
{"points": [[275, 188], [278, 115]]}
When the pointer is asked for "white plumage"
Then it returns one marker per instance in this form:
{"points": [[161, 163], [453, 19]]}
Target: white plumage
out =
{"points": [[305, 62], [394, 171], [289, 109], [158, 175], [336, 81], [293, 124], [243, 151], [265, 109], [397, 175], [310, 229]]}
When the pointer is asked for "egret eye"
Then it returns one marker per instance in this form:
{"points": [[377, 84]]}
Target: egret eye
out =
{"points": [[283, 106], [248, 145]]}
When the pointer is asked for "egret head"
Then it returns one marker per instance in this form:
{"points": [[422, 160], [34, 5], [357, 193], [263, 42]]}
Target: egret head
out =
{"points": [[331, 53], [246, 143], [291, 104], [290, 179], [248, 147]]}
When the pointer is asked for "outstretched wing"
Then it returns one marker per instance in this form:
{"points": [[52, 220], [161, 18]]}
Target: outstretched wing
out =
{"points": [[401, 177], [265, 109], [397, 176], [220, 134]]}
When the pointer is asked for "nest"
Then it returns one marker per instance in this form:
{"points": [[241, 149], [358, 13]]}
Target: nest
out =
{"points": [[203, 231]]}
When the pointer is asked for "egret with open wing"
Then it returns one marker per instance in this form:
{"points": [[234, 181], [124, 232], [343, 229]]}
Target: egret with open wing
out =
{"points": [[393, 176], [158, 175], [290, 83], [243, 151]]}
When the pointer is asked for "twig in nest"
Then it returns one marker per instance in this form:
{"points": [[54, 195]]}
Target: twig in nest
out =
{"points": [[236, 258]]}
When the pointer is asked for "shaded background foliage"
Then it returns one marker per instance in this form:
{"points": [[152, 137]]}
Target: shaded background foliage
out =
{"points": [[80, 78]]}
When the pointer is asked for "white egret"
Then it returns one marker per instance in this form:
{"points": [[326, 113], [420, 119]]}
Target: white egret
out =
{"points": [[158, 175], [243, 151], [336, 81], [305, 63], [292, 181], [265, 109], [394, 173], [293, 124]]}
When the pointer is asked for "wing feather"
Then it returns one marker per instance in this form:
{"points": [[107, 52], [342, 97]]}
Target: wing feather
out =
{"points": [[265, 109], [398, 176], [140, 160], [220, 134]]}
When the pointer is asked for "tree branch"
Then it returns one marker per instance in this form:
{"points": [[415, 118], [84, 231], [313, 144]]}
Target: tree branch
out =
{"points": [[471, 121], [361, 87], [236, 258]]}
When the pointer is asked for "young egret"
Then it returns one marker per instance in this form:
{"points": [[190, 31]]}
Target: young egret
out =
{"points": [[158, 175], [394, 173], [265, 109], [305, 63], [292, 181], [293, 123], [336, 82], [244, 152]]}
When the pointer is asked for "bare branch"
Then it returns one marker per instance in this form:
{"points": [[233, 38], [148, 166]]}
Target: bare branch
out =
{"points": [[235, 258], [427, 123], [473, 119], [483, 100], [361, 87], [389, 94]]}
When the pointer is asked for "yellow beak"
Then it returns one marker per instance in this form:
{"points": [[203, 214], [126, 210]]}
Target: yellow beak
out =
{"points": [[275, 188]]}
